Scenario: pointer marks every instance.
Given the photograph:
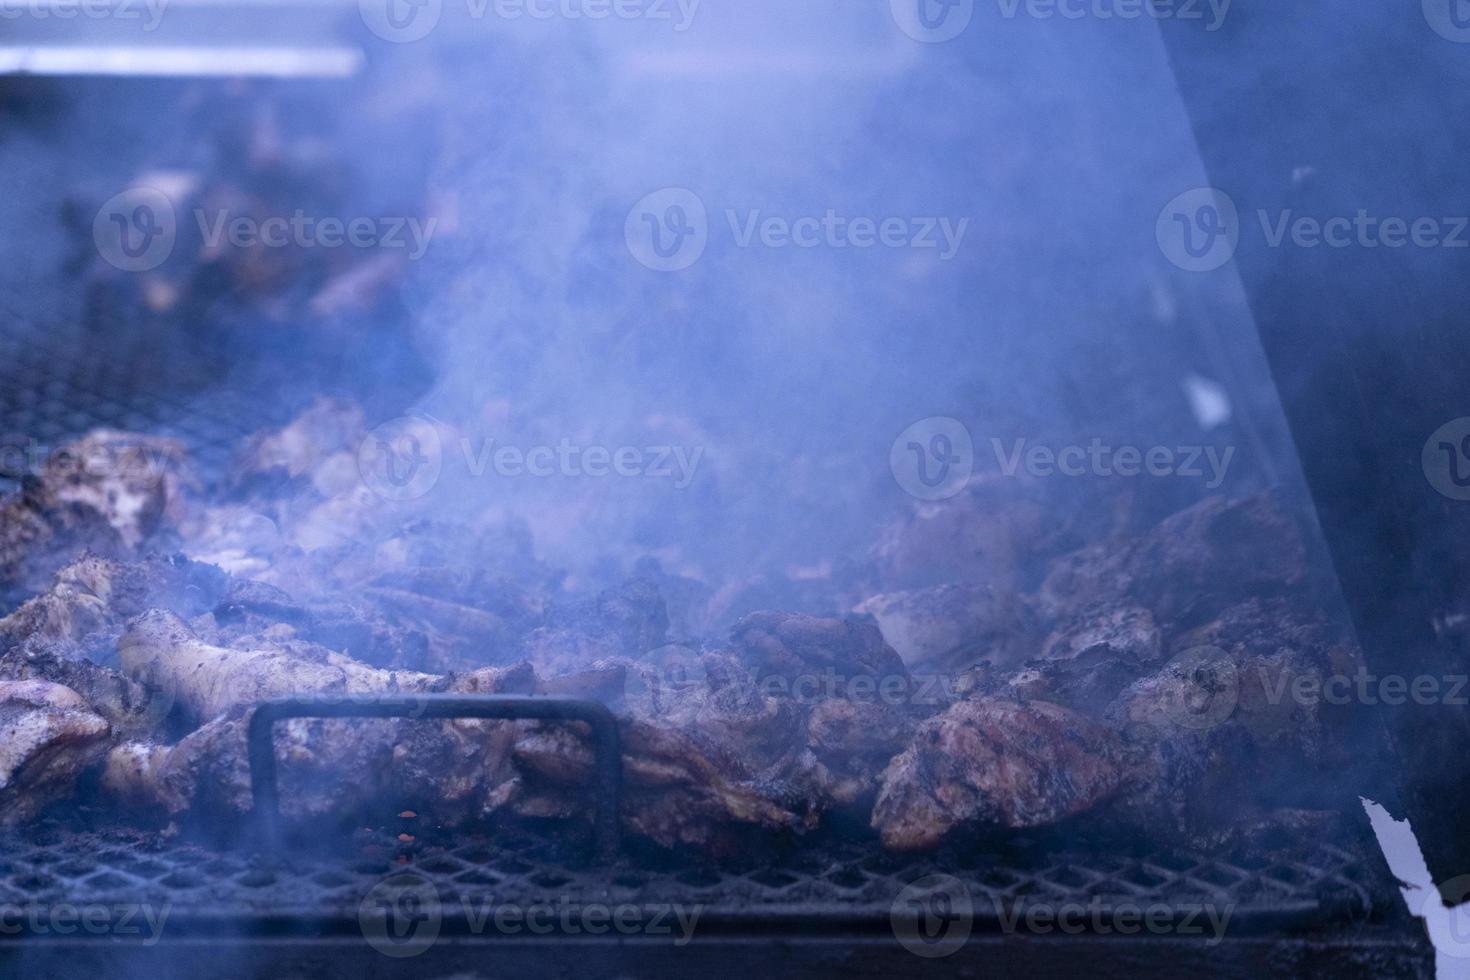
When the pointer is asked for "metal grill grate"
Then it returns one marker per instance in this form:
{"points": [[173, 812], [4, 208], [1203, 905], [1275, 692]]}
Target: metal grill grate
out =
{"points": [[59, 383], [56, 383], [1314, 885]]}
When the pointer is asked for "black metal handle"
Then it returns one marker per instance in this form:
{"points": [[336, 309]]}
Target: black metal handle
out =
{"points": [[609, 766]]}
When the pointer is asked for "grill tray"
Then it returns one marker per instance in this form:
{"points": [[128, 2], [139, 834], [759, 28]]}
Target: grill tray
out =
{"points": [[59, 380]]}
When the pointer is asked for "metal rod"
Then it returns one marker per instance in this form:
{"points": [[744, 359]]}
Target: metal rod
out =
{"points": [[265, 792]]}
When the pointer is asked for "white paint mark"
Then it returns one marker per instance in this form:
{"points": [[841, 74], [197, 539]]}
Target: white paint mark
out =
{"points": [[1449, 928]]}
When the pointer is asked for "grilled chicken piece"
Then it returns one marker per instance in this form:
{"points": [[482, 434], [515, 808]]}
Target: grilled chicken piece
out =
{"points": [[847, 745], [358, 630], [131, 709], [1218, 735], [108, 492], [1087, 661], [455, 769], [161, 651], [984, 535], [679, 788], [48, 738], [686, 786], [91, 599], [321, 439], [999, 762], [132, 480], [1190, 566], [38, 536], [793, 714], [950, 626], [794, 651], [626, 622], [304, 479], [1116, 630], [1227, 732], [77, 605]]}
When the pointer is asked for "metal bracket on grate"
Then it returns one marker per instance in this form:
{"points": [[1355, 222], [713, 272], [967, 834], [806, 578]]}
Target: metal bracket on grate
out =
{"points": [[609, 772]]}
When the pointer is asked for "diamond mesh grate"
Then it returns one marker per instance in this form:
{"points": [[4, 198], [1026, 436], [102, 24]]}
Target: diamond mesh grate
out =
{"points": [[1313, 884], [59, 383]]}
